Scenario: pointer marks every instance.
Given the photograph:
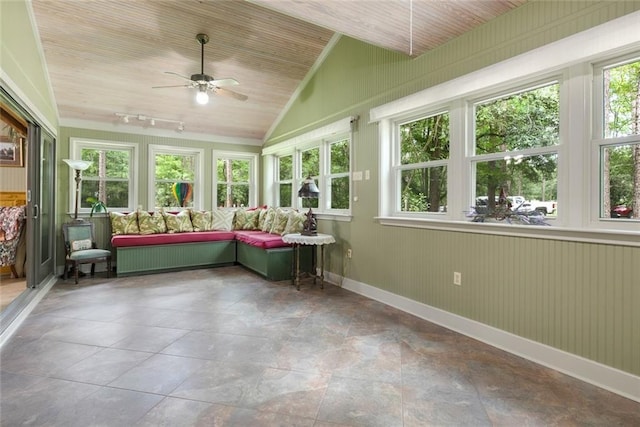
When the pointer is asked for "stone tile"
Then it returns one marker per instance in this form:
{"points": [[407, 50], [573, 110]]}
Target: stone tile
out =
{"points": [[108, 407], [226, 382], [371, 357], [102, 367], [41, 357], [150, 339], [159, 374], [287, 392], [221, 347], [38, 401], [362, 403]]}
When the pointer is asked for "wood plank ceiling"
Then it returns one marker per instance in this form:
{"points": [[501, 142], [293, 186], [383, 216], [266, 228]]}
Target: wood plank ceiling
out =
{"points": [[104, 57]]}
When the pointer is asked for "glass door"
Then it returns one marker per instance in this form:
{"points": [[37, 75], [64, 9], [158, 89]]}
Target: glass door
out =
{"points": [[40, 206]]}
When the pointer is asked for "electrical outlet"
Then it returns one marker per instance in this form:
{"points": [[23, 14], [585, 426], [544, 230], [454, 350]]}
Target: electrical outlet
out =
{"points": [[457, 278], [349, 253]]}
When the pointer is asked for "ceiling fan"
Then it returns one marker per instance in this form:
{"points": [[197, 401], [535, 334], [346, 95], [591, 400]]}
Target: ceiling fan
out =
{"points": [[204, 82]]}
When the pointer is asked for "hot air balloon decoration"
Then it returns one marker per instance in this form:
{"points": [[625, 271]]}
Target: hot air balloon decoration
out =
{"points": [[182, 191]]}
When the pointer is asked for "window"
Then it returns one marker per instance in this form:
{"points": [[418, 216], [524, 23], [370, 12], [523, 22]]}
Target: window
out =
{"points": [[175, 181], [324, 155], [515, 147], [338, 175], [618, 144], [421, 165], [285, 180], [235, 180], [111, 176], [310, 161], [530, 127]]}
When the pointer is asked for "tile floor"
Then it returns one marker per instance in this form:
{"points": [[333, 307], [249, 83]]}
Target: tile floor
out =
{"points": [[223, 347]]}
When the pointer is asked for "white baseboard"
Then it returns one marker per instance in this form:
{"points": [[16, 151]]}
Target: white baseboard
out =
{"points": [[614, 380]]}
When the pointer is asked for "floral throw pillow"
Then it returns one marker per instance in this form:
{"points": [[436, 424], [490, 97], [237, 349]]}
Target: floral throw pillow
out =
{"points": [[246, 219], [267, 221], [295, 222], [280, 221], [202, 220], [124, 223], [178, 223], [151, 223], [222, 219]]}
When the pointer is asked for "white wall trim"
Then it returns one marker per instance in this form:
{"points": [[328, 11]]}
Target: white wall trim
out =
{"points": [[321, 133], [614, 380], [123, 128]]}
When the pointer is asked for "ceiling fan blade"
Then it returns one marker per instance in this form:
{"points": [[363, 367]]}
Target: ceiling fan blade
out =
{"points": [[161, 87], [224, 82], [230, 94], [176, 74]]}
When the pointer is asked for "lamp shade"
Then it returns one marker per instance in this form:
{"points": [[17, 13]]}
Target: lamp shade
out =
{"points": [[309, 189], [78, 165]]}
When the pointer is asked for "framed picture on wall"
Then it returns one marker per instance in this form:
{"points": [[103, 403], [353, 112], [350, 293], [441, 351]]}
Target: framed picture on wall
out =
{"points": [[11, 152]]}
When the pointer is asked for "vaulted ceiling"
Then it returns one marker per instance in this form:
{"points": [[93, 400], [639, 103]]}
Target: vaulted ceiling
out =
{"points": [[104, 57]]}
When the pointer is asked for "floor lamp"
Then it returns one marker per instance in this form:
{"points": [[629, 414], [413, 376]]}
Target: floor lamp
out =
{"points": [[78, 166]]}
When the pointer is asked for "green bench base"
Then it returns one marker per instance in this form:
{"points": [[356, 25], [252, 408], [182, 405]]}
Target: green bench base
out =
{"points": [[133, 260], [274, 264]]}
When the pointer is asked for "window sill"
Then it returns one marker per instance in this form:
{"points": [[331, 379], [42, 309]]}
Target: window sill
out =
{"points": [[333, 217], [609, 237]]}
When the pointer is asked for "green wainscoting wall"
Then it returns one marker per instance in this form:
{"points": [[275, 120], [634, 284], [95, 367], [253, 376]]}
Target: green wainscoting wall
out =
{"points": [[583, 298]]}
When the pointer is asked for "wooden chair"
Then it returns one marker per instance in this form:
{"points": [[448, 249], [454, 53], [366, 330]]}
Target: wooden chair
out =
{"points": [[80, 246]]}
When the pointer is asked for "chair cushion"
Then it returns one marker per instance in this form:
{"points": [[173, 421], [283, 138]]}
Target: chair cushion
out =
{"points": [[89, 254], [261, 239], [168, 239]]}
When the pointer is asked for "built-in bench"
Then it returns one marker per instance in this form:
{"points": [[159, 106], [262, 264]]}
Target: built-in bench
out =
{"points": [[264, 253]]}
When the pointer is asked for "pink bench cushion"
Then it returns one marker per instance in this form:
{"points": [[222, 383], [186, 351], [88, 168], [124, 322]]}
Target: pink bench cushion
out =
{"points": [[121, 241], [261, 239]]}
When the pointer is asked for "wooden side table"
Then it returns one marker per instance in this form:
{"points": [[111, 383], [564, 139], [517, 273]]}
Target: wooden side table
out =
{"points": [[297, 239]]}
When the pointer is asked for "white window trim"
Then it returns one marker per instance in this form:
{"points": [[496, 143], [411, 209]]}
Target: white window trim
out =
{"points": [[253, 174], [572, 57], [320, 137], [397, 167], [75, 149], [198, 183]]}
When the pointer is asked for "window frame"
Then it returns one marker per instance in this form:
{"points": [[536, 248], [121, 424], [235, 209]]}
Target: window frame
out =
{"points": [[571, 62], [278, 182], [198, 184], [320, 138], [76, 145], [253, 174], [599, 141], [473, 159], [397, 167]]}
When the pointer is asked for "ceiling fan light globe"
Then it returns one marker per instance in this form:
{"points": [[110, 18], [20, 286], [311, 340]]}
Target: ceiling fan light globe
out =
{"points": [[202, 98]]}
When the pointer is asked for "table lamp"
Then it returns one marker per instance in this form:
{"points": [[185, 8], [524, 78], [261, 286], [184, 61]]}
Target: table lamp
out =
{"points": [[309, 190]]}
